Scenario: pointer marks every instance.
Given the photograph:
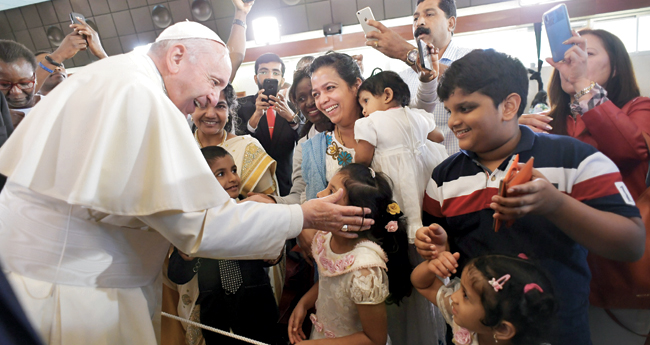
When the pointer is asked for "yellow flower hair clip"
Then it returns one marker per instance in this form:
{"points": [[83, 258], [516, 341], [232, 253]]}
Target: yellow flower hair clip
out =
{"points": [[393, 209]]}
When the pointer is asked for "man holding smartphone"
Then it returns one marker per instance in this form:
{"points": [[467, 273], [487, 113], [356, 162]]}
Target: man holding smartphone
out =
{"points": [[269, 118], [434, 22]]}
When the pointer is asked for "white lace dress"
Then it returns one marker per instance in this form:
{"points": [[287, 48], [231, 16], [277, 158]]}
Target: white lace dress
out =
{"points": [[355, 277], [403, 152]]}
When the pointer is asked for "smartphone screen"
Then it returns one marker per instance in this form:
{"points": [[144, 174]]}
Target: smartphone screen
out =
{"points": [[364, 15], [558, 29], [425, 55], [270, 87], [73, 17]]}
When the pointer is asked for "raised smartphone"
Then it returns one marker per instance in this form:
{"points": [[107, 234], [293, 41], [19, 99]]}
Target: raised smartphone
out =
{"points": [[270, 87], [73, 17], [425, 55], [558, 29], [364, 15]]}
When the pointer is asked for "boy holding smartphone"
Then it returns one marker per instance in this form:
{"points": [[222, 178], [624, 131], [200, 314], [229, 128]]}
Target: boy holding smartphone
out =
{"points": [[575, 203]]}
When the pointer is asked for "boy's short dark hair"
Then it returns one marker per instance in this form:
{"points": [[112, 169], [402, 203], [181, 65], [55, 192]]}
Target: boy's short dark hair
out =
{"points": [[488, 72], [266, 58], [212, 153]]}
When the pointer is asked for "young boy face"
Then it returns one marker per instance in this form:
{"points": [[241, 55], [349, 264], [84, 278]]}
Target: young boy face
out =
{"points": [[476, 122], [225, 170]]}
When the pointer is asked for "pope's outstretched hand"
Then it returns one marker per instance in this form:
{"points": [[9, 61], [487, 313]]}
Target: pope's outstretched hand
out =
{"points": [[324, 214]]}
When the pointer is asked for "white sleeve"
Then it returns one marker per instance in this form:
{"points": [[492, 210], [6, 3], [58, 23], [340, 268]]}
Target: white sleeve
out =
{"points": [[364, 129], [234, 231], [250, 128], [427, 95]]}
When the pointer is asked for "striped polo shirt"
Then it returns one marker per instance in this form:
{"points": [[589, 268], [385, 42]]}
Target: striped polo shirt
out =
{"points": [[460, 192]]}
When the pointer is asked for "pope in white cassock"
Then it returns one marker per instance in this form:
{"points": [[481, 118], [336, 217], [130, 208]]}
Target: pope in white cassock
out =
{"points": [[104, 173]]}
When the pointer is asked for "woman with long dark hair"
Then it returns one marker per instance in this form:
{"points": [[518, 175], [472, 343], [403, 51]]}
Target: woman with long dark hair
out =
{"points": [[595, 98]]}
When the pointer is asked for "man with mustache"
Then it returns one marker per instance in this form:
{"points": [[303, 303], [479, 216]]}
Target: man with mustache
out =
{"points": [[434, 22]]}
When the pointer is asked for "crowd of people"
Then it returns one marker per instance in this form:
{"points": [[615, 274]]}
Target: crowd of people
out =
{"points": [[143, 202]]}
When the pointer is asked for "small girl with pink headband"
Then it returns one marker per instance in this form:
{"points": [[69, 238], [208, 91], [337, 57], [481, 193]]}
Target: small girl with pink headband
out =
{"points": [[498, 299]]}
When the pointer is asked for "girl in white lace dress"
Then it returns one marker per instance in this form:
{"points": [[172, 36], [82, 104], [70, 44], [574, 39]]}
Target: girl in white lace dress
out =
{"points": [[498, 299], [399, 141], [353, 273]]}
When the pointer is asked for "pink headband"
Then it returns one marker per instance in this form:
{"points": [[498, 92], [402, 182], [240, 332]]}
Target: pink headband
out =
{"points": [[497, 284], [532, 286]]}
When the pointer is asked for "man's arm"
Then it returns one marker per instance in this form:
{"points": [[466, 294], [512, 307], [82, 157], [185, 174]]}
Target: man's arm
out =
{"points": [[250, 230], [237, 39], [71, 44], [261, 104]]}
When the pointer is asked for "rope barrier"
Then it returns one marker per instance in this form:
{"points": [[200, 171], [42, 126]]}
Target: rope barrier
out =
{"points": [[212, 329]]}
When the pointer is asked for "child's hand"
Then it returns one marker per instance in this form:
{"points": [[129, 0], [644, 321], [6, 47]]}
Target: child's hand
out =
{"points": [[445, 264], [430, 241], [296, 334], [259, 197], [538, 196]]}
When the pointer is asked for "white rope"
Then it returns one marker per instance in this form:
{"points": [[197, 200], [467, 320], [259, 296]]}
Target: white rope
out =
{"points": [[212, 329]]}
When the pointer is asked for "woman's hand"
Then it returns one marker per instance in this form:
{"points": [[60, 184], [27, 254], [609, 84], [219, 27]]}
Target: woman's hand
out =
{"points": [[574, 66], [298, 315], [92, 37], [537, 122]]}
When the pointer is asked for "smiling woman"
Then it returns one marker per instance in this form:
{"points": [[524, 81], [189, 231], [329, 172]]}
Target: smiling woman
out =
{"points": [[335, 80], [214, 127]]}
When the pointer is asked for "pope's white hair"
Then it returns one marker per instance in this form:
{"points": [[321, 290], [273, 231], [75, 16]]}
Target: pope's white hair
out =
{"points": [[194, 46]]}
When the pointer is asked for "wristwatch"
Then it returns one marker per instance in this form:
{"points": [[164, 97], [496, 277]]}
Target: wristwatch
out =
{"points": [[412, 57], [295, 120]]}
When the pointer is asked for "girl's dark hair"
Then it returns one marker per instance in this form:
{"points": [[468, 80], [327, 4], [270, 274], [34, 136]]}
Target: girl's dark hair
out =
{"points": [[621, 84], [212, 153], [378, 82], [531, 313], [298, 76], [344, 65], [376, 193]]}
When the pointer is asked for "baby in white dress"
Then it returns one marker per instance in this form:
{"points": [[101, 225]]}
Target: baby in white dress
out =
{"points": [[398, 141]]}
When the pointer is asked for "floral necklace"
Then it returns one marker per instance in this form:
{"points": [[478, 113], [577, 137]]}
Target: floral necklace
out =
{"points": [[196, 136]]}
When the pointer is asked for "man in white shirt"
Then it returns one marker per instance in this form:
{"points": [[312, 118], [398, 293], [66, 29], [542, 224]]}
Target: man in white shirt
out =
{"points": [[103, 175], [434, 22]]}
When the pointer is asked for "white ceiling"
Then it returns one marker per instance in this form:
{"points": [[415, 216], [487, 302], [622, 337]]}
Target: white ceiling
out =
{"points": [[8, 4]]}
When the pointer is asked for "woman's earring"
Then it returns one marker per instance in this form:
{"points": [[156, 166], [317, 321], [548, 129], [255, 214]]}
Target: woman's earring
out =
{"points": [[495, 338]]}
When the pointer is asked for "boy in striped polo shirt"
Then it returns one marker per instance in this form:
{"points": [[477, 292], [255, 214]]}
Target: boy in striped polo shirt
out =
{"points": [[576, 201]]}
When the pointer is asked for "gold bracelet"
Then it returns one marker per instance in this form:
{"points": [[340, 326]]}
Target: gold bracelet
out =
{"points": [[584, 91]]}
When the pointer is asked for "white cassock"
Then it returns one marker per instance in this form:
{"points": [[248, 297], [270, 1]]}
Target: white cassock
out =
{"points": [[102, 175]]}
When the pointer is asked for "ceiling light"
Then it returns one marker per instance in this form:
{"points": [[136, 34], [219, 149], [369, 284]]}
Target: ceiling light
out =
{"points": [[266, 30]]}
